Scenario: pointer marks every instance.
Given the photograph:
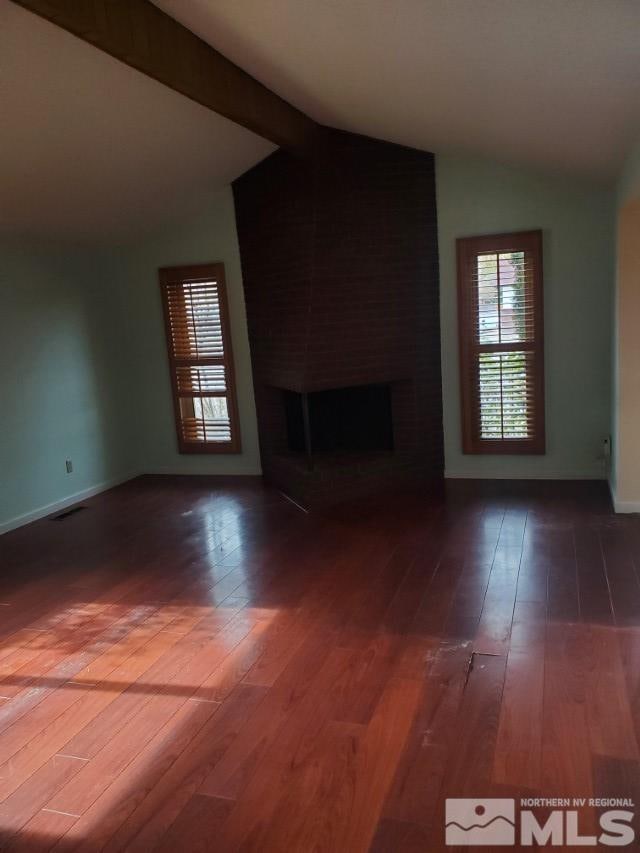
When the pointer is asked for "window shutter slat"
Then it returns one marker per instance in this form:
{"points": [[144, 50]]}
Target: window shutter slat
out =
{"points": [[195, 319], [200, 359], [501, 343]]}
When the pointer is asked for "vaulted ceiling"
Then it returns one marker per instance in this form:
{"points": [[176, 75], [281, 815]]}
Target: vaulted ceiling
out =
{"points": [[92, 147], [552, 83]]}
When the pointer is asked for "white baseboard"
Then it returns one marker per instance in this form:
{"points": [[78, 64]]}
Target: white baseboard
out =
{"points": [[626, 506], [57, 506], [521, 475], [623, 506]]}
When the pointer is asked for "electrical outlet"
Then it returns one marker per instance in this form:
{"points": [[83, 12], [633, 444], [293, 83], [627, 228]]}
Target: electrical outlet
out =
{"points": [[605, 456], [69, 466]]}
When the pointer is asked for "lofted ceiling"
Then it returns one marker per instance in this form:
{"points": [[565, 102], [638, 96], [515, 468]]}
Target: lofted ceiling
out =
{"points": [[551, 83], [92, 149]]}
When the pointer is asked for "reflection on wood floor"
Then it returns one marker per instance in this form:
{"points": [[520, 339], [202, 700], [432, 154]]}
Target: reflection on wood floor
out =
{"points": [[190, 666]]}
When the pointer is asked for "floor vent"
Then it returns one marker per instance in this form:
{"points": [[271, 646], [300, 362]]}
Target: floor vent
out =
{"points": [[67, 513]]}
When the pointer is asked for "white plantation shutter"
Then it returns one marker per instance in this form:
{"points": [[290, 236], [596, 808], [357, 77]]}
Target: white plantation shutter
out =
{"points": [[200, 358], [501, 343]]}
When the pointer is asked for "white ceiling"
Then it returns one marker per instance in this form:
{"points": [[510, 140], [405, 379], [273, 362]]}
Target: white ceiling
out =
{"points": [[90, 148], [553, 83]]}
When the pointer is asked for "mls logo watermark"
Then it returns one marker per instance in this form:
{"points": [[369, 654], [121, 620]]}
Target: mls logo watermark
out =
{"points": [[497, 822], [482, 822]]}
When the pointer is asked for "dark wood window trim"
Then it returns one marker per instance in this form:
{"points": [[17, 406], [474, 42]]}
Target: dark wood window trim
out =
{"points": [[200, 353], [477, 346]]}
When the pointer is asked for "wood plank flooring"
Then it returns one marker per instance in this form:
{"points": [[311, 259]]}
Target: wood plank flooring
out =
{"points": [[189, 665]]}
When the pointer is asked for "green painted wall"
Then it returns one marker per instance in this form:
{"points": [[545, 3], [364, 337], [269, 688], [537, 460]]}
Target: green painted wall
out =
{"points": [[209, 236], [61, 394], [83, 336], [481, 197], [628, 184]]}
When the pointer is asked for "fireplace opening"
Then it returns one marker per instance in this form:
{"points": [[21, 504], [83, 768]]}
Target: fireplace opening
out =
{"points": [[340, 420]]}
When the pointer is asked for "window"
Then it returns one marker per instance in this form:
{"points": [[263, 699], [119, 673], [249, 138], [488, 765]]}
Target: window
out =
{"points": [[200, 358], [500, 317]]}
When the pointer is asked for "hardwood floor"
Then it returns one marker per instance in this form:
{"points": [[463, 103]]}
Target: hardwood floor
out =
{"points": [[186, 666]]}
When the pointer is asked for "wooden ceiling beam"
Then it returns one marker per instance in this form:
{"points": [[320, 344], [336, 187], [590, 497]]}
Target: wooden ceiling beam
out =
{"points": [[144, 37]]}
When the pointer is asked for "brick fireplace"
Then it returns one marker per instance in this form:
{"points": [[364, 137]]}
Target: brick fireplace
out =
{"points": [[340, 267]]}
